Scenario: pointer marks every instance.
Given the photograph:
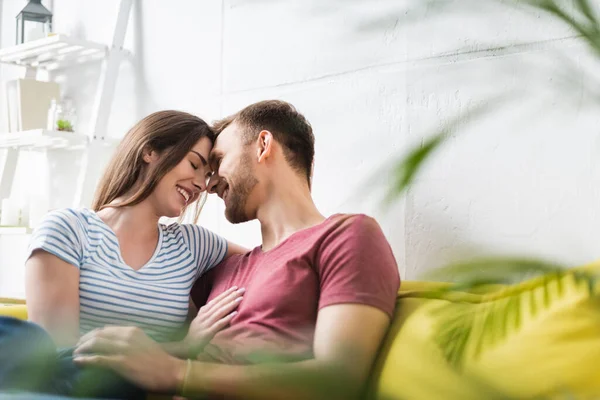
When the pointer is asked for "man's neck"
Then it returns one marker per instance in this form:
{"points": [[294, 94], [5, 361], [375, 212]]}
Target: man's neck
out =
{"points": [[286, 212]]}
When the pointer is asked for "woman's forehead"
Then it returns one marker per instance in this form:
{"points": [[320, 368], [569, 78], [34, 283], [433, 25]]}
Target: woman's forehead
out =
{"points": [[203, 146]]}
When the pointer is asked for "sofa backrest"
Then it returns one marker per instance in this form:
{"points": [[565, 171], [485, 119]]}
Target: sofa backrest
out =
{"points": [[537, 338]]}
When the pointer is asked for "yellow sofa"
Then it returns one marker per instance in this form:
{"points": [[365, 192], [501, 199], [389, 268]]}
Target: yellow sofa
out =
{"points": [[537, 339], [14, 310]]}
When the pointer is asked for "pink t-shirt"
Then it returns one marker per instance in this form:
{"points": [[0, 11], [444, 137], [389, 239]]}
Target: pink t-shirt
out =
{"points": [[345, 259]]}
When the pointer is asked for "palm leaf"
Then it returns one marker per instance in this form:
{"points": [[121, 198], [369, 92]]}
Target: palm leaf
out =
{"points": [[586, 25], [587, 10], [500, 318], [406, 168], [492, 270]]}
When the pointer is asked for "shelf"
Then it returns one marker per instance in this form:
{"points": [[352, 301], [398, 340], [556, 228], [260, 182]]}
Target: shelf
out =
{"points": [[41, 139], [15, 230], [53, 52]]}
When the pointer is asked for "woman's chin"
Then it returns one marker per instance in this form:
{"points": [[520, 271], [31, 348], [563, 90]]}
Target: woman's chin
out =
{"points": [[173, 213]]}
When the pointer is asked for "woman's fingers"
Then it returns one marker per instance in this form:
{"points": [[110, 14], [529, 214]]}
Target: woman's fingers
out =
{"points": [[223, 311], [222, 323], [227, 299], [217, 299]]}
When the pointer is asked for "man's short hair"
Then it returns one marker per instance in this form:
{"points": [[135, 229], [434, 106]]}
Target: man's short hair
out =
{"points": [[287, 125]]}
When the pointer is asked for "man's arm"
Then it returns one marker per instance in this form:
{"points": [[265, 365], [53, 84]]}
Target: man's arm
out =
{"points": [[347, 339], [358, 279]]}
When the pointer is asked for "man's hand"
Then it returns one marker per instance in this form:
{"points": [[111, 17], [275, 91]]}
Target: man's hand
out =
{"points": [[132, 354], [213, 317]]}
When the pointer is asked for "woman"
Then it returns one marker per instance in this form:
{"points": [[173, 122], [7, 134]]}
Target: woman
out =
{"points": [[115, 263]]}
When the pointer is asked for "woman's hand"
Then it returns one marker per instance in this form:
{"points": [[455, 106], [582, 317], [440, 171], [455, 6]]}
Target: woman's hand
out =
{"points": [[213, 317], [132, 354]]}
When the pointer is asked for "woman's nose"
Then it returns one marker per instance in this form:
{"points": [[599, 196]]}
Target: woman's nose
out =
{"points": [[213, 181], [200, 184]]}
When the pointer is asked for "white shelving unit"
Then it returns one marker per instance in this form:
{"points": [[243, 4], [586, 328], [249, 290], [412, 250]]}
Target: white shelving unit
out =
{"points": [[61, 52], [52, 53], [15, 230], [42, 139]]}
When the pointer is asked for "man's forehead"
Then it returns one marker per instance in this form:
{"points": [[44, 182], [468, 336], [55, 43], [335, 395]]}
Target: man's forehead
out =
{"points": [[224, 139], [220, 144]]}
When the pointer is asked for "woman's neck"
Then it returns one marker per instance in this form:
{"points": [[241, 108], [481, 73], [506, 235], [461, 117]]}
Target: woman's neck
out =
{"points": [[139, 219]]}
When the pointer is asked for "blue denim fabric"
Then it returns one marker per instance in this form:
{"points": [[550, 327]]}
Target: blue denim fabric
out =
{"points": [[30, 362], [33, 396]]}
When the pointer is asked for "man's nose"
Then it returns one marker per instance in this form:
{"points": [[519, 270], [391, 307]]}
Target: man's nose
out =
{"points": [[213, 181]]}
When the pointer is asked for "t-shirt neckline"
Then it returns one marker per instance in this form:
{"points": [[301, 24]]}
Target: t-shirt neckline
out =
{"points": [[260, 251], [120, 254]]}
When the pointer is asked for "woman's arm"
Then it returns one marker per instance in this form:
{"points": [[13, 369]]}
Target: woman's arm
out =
{"points": [[233, 248], [52, 296]]}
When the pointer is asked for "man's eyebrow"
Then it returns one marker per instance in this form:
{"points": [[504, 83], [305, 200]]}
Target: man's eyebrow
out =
{"points": [[202, 159]]}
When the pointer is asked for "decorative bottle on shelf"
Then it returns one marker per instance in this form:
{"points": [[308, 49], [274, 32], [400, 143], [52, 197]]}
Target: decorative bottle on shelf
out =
{"points": [[62, 115]]}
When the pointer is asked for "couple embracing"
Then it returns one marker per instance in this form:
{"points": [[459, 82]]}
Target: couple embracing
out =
{"points": [[116, 297]]}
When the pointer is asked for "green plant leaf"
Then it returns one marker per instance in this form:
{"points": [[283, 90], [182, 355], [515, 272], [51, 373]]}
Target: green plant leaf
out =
{"points": [[405, 169], [588, 28], [588, 11], [501, 317], [492, 270]]}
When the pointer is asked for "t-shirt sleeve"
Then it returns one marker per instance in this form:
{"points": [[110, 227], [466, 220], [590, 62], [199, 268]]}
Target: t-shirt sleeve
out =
{"points": [[59, 233], [208, 248], [356, 265]]}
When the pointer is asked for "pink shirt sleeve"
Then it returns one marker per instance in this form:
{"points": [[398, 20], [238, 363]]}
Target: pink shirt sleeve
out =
{"points": [[356, 265]]}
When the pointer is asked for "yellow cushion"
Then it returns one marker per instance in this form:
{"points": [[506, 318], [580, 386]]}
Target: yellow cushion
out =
{"points": [[554, 350], [537, 338], [14, 310], [410, 365]]}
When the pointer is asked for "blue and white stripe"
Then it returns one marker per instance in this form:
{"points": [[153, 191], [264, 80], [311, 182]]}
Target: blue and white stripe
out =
{"points": [[155, 297]]}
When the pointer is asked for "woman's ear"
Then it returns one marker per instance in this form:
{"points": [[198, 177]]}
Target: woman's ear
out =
{"points": [[150, 155], [264, 145]]}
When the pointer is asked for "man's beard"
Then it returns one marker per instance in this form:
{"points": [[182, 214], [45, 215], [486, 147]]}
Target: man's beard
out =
{"points": [[238, 195]]}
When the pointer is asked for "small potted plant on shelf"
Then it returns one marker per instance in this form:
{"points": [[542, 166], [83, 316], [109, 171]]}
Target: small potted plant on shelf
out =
{"points": [[64, 125]]}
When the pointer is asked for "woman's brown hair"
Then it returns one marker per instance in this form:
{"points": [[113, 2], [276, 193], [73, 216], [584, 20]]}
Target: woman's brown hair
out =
{"points": [[171, 134]]}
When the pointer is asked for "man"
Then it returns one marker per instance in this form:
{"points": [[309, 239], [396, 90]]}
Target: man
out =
{"points": [[320, 292]]}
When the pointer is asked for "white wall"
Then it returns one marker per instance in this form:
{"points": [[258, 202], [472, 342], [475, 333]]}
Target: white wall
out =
{"points": [[521, 180]]}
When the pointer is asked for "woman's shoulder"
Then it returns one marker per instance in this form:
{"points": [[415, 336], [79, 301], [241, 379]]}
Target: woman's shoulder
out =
{"points": [[177, 228], [70, 214], [192, 234], [74, 218]]}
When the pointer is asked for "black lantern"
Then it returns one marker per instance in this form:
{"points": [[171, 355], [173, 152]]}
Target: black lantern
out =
{"points": [[33, 22]]}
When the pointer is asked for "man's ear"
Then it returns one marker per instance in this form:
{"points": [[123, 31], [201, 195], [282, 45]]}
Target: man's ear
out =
{"points": [[264, 145]]}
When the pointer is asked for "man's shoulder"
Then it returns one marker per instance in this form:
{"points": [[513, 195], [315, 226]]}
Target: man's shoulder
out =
{"points": [[354, 233], [351, 223]]}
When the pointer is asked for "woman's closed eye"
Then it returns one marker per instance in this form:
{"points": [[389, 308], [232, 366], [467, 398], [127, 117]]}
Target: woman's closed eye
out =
{"points": [[193, 165]]}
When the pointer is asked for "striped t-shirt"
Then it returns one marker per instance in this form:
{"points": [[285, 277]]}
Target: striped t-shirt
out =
{"points": [[155, 297]]}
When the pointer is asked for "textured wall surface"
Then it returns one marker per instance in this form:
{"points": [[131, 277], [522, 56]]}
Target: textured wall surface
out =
{"points": [[374, 77]]}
